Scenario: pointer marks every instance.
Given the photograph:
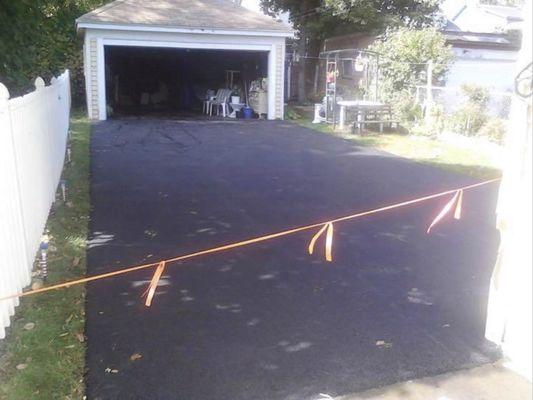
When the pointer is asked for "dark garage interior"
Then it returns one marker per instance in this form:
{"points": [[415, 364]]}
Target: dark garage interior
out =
{"points": [[174, 82]]}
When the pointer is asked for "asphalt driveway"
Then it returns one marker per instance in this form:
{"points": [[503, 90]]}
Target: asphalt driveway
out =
{"points": [[269, 322]]}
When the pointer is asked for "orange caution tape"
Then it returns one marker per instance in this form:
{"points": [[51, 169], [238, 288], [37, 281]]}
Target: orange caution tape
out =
{"points": [[459, 206], [329, 240], [249, 241], [457, 199], [150, 291], [311, 247]]}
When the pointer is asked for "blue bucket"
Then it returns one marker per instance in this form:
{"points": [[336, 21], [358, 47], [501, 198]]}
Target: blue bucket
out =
{"points": [[248, 112]]}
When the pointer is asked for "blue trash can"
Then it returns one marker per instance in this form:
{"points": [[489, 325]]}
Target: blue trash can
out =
{"points": [[248, 112]]}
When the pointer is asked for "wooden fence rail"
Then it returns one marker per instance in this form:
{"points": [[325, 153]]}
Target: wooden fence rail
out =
{"points": [[33, 140]]}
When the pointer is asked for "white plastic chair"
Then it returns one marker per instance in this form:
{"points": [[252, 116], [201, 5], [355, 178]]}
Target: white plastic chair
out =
{"points": [[207, 103], [221, 102]]}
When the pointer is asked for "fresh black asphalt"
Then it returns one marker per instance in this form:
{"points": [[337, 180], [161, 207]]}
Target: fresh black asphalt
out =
{"points": [[268, 321]]}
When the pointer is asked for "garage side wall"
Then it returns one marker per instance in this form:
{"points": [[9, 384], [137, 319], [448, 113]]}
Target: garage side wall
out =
{"points": [[91, 76], [94, 63], [279, 86]]}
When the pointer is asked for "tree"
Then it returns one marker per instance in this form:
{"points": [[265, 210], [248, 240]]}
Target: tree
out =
{"points": [[378, 14], [303, 15], [404, 55], [38, 38], [316, 20]]}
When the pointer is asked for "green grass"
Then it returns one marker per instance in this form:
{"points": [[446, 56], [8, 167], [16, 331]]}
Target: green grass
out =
{"points": [[476, 161], [53, 352]]}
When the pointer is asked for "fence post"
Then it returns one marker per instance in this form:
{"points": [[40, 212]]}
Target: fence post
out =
{"points": [[13, 241], [429, 91], [4, 96], [25, 277], [39, 83], [5, 282]]}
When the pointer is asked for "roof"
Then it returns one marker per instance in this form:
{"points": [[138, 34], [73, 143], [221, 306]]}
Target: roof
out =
{"points": [[495, 41], [507, 12], [465, 15], [183, 14]]}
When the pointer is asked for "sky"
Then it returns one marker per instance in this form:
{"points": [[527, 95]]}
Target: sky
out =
{"points": [[255, 5], [251, 4]]}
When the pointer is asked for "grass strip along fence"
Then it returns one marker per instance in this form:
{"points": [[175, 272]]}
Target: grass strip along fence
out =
{"points": [[43, 355]]}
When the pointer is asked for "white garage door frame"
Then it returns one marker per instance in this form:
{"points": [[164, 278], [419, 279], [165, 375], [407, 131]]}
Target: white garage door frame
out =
{"points": [[95, 57]]}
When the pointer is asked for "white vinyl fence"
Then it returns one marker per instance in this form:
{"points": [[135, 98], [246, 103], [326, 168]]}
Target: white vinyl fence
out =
{"points": [[33, 140]]}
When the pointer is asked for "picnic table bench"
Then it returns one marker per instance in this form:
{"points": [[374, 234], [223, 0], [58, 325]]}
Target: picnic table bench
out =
{"points": [[367, 113]]}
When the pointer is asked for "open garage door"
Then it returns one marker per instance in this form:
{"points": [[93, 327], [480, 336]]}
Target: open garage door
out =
{"points": [[176, 50], [175, 81]]}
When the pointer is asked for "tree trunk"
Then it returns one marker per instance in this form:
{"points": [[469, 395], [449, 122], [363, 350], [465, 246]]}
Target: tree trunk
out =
{"points": [[306, 9], [302, 51]]}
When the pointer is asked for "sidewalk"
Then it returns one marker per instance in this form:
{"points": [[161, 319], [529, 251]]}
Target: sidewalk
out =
{"points": [[488, 382]]}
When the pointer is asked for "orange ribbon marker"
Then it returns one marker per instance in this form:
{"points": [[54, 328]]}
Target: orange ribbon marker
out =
{"points": [[329, 240], [457, 199], [325, 225], [150, 291], [459, 206]]}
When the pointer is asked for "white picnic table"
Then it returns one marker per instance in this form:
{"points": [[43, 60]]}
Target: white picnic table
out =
{"points": [[363, 107]]}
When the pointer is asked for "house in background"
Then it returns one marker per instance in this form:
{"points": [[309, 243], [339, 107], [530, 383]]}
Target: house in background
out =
{"points": [[484, 42], [474, 16]]}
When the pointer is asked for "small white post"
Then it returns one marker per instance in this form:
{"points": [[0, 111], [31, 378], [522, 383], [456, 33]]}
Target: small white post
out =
{"points": [[342, 117], [6, 284], [4, 97]]}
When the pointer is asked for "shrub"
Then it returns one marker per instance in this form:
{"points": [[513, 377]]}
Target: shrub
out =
{"points": [[468, 120], [291, 114], [476, 94], [472, 115], [405, 108], [437, 120], [494, 129], [404, 54]]}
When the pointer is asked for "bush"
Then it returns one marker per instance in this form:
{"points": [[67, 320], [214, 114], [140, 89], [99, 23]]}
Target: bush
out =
{"points": [[437, 119], [405, 108], [292, 114], [494, 130], [476, 94], [404, 54], [468, 120], [472, 115]]}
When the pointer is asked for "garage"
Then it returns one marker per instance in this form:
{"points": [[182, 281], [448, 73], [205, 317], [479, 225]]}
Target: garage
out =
{"points": [[166, 57]]}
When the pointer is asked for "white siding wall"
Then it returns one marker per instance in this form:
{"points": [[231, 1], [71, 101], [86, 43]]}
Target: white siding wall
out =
{"points": [[279, 87], [93, 78], [490, 68], [510, 308], [33, 138]]}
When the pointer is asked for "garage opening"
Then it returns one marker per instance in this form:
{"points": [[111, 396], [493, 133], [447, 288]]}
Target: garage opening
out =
{"points": [[175, 82]]}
